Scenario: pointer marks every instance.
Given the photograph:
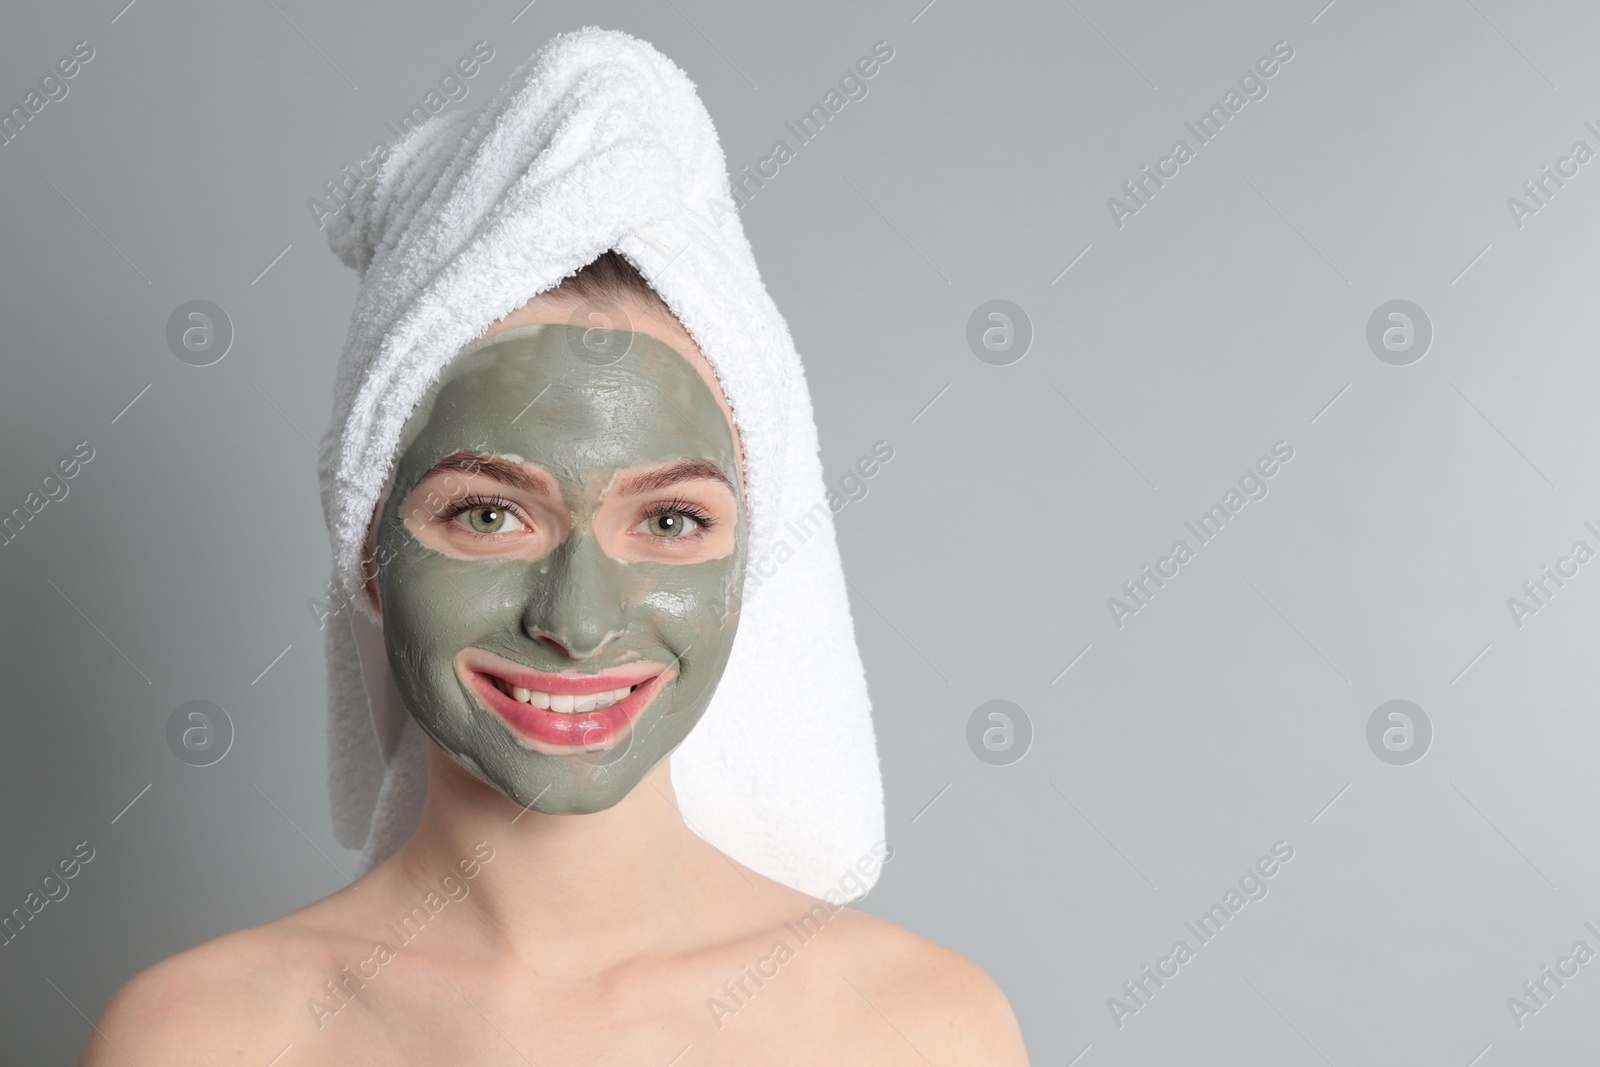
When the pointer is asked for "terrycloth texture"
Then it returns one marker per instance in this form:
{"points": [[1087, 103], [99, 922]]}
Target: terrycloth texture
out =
{"points": [[599, 142]]}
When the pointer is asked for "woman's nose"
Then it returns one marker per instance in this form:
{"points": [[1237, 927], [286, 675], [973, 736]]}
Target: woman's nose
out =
{"points": [[578, 607]]}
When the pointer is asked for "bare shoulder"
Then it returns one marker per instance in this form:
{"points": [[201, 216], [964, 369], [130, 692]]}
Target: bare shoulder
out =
{"points": [[231, 997], [944, 1004]]}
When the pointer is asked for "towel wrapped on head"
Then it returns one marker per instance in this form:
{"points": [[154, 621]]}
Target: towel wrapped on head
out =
{"points": [[596, 143]]}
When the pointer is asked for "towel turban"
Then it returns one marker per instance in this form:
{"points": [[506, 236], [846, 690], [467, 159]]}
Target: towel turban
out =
{"points": [[599, 142]]}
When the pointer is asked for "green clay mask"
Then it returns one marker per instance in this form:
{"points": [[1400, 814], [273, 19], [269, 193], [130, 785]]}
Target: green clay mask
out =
{"points": [[562, 553]]}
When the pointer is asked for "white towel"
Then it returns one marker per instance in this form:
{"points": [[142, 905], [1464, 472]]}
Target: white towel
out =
{"points": [[600, 142]]}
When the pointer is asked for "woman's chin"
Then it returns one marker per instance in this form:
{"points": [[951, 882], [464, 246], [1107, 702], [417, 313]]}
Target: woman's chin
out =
{"points": [[571, 800], [568, 781]]}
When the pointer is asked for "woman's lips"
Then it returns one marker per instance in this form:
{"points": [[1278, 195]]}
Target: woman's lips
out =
{"points": [[560, 732]]}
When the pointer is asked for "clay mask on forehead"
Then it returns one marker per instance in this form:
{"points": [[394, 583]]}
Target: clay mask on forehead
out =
{"points": [[561, 556]]}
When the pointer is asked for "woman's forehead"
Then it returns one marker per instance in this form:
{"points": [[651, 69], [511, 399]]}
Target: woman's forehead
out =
{"points": [[558, 396], [626, 314]]}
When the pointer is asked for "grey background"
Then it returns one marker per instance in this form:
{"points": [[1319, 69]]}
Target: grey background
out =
{"points": [[1222, 318]]}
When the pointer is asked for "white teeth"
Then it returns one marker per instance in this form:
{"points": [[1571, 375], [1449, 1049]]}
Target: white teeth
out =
{"points": [[569, 703]]}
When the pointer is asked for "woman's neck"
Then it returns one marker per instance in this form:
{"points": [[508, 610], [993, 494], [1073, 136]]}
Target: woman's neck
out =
{"points": [[566, 892]]}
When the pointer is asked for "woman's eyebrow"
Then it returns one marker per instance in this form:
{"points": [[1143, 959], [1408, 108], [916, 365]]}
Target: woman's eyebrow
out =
{"points": [[685, 470], [500, 470]]}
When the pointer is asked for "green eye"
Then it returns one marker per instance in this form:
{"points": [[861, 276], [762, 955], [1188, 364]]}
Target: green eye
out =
{"points": [[490, 519], [670, 524]]}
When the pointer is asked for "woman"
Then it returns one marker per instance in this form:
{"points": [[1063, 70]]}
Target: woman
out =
{"points": [[548, 511]]}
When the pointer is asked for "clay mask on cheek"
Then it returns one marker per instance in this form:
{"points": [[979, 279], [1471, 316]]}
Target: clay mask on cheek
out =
{"points": [[558, 634]]}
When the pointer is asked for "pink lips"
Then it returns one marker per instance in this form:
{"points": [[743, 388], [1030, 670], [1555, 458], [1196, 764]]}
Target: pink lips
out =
{"points": [[556, 732]]}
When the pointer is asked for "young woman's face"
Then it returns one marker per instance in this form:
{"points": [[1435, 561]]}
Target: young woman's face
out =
{"points": [[562, 552]]}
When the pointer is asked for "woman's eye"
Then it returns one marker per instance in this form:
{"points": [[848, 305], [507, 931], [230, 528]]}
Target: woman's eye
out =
{"points": [[670, 524], [488, 519]]}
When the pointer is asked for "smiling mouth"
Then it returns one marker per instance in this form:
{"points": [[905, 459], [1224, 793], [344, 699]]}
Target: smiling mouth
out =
{"points": [[563, 703], [563, 714]]}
